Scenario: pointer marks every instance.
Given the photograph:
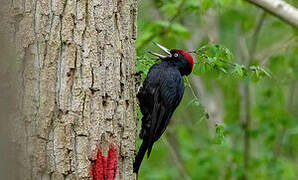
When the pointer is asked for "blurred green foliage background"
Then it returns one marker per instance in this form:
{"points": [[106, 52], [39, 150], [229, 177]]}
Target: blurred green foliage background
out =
{"points": [[227, 127]]}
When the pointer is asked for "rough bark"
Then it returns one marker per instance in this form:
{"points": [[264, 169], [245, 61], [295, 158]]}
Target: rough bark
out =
{"points": [[77, 67]]}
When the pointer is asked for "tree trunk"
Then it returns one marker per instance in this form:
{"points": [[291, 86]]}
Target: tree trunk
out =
{"points": [[77, 73]]}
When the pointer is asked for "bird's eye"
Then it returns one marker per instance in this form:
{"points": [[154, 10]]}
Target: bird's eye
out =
{"points": [[176, 55]]}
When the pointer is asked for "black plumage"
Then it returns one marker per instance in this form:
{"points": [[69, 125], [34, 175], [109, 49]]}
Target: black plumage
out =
{"points": [[159, 96]]}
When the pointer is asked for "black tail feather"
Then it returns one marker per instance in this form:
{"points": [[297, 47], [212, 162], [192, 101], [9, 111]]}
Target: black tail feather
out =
{"points": [[140, 156]]}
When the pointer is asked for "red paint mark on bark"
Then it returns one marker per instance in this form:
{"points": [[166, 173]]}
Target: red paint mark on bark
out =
{"points": [[104, 168], [96, 169]]}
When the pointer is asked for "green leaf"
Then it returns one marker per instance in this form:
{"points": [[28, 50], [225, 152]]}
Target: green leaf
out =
{"points": [[223, 69], [238, 70], [180, 30], [266, 72], [215, 59], [173, 28], [143, 65], [195, 102], [170, 8], [219, 136]]}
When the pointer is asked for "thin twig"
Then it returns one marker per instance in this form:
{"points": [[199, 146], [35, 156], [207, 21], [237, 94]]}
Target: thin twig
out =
{"points": [[180, 9], [176, 158], [281, 134], [193, 52], [191, 89], [291, 96], [246, 98], [277, 48], [255, 36]]}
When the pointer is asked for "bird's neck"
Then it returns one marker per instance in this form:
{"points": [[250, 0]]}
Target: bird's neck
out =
{"points": [[182, 67]]}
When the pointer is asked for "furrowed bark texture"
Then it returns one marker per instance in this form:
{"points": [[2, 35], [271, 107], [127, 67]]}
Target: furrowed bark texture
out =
{"points": [[77, 61]]}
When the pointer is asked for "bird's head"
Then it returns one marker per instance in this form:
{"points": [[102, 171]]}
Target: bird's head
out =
{"points": [[179, 58]]}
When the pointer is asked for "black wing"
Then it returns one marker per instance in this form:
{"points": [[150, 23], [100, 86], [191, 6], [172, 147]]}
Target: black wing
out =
{"points": [[159, 96], [161, 93]]}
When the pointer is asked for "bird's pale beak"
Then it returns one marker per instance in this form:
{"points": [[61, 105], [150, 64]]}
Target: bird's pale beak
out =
{"points": [[166, 50]]}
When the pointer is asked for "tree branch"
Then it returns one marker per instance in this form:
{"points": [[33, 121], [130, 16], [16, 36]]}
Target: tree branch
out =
{"points": [[277, 48], [170, 140], [245, 93], [211, 103], [280, 9], [255, 36]]}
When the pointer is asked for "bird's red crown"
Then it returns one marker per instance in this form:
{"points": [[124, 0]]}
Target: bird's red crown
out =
{"points": [[186, 55]]}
